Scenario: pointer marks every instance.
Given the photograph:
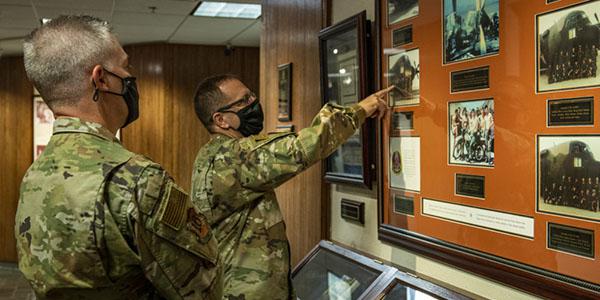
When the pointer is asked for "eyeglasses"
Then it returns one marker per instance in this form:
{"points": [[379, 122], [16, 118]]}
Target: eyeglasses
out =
{"points": [[248, 98]]}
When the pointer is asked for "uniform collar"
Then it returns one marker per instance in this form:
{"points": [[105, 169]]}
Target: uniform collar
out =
{"points": [[220, 136], [76, 125]]}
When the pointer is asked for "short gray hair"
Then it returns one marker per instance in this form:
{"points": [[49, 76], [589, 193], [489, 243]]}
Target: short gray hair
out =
{"points": [[60, 55]]}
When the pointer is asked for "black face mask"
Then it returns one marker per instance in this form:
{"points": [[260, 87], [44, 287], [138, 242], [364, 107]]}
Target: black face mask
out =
{"points": [[251, 118], [129, 94]]}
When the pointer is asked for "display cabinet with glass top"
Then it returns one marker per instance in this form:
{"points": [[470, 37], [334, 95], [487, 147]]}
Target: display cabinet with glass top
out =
{"points": [[330, 271]]}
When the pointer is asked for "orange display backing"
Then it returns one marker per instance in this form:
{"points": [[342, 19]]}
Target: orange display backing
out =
{"points": [[520, 114]]}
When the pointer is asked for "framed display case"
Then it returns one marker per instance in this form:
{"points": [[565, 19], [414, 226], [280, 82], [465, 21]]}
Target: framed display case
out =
{"points": [[344, 81], [330, 271], [493, 168]]}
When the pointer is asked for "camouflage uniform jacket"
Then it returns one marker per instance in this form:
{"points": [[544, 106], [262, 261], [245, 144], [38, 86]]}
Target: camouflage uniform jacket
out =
{"points": [[95, 221], [233, 184]]}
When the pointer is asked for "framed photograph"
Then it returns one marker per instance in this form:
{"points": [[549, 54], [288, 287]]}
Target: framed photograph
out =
{"points": [[471, 29], [344, 81], [403, 72], [567, 47], [400, 10], [285, 92], [471, 133], [569, 175], [43, 120]]}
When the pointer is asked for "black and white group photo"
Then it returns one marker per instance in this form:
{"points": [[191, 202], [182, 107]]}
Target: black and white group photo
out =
{"points": [[471, 29], [569, 175], [568, 42], [471, 132]]}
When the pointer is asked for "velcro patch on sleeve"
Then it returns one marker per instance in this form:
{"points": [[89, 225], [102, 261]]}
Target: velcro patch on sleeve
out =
{"points": [[175, 212]]}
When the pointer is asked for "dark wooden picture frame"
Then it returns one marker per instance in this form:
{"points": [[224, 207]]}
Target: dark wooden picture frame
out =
{"points": [[358, 76], [284, 72], [532, 279]]}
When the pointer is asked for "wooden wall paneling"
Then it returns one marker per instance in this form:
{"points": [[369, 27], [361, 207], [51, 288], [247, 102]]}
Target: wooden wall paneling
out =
{"points": [[16, 152], [168, 130], [290, 34]]}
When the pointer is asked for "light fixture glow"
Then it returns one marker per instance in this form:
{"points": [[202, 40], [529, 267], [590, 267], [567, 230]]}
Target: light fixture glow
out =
{"points": [[228, 10], [45, 20]]}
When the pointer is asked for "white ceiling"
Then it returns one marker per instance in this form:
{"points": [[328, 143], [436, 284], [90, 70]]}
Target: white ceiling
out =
{"points": [[133, 20]]}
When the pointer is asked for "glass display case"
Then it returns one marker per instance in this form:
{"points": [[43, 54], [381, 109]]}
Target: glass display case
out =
{"points": [[330, 271]]}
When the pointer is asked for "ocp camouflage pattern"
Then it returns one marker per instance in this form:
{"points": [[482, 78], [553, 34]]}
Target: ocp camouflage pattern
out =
{"points": [[90, 224], [233, 184]]}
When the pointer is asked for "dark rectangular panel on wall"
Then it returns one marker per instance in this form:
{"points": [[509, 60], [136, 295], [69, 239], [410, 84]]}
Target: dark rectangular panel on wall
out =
{"points": [[168, 130], [290, 34], [16, 117]]}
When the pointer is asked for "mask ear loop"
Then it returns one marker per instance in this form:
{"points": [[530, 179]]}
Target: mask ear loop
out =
{"points": [[95, 97]]}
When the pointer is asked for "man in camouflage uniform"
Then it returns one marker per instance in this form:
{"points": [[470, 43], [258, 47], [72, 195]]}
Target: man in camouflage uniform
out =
{"points": [[94, 220], [235, 175]]}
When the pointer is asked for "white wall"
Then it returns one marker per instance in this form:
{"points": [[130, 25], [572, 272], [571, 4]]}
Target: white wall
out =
{"points": [[364, 238]]}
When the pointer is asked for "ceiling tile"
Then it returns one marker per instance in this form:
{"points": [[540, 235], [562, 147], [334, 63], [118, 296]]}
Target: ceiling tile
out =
{"points": [[132, 34], [53, 12], [147, 19], [75, 4], [172, 7], [12, 16], [250, 37], [199, 30]]}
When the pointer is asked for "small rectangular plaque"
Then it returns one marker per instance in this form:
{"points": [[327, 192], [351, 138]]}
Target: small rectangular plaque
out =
{"points": [[353, 211], [571, 239], [484, 218], [470, 185], [570, 112], [402, 36], [401, 121], [470, 80], [404, 204]]}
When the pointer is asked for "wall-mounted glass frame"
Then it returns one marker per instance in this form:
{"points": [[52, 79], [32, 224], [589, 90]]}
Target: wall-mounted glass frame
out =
{"points": [[344, 67], [523, 163]]}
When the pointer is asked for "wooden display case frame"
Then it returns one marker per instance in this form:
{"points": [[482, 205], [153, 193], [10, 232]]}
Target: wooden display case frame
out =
{"points": [[529, 278]]}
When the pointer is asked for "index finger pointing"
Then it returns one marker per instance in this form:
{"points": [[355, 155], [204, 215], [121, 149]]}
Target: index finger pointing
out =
{"points": [[385, 91]]}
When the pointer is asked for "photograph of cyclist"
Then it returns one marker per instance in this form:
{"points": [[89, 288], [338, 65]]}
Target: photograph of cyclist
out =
{"points": [[471, 132]]}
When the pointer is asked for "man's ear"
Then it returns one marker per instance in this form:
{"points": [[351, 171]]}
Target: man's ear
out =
{"points": [[219, 121], [99, 78]]}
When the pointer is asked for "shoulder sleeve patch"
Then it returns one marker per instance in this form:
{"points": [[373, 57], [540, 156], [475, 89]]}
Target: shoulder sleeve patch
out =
{"points": [[175, 212]]}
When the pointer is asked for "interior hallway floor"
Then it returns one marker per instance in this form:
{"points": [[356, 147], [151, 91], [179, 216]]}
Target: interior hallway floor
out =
{"points": [[12, 283]]}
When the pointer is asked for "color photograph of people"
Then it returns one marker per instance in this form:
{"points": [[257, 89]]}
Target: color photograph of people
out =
{"points": [[569, 175], [471, 134], [568, 42]]}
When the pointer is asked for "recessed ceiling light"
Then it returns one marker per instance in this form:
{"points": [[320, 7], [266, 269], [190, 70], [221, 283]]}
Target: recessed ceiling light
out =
{"points": [[228, 10]]}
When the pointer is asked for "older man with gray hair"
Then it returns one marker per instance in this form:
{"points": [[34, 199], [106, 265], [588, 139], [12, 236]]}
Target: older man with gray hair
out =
{"points": [[94, 220]]}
